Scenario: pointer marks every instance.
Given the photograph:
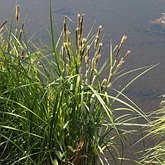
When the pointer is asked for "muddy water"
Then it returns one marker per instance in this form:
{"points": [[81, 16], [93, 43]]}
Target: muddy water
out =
{"points": [[118, 17]]}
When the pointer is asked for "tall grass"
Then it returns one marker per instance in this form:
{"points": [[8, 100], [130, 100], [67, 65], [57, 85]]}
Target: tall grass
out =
{"points": [[156, 134], [57, 107]]}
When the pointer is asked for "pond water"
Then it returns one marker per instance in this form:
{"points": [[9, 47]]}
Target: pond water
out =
{"points": [[118, 17]]}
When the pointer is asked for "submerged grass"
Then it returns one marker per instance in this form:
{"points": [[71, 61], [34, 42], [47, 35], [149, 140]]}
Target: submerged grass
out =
{"points": [[56, 107]]}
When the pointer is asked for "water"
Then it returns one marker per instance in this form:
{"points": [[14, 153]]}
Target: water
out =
{"points": [[118, 17]]}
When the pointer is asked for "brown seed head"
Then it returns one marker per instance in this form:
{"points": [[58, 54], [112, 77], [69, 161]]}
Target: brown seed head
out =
{"points": [[65, 29], [123, 39], [17, 13]]}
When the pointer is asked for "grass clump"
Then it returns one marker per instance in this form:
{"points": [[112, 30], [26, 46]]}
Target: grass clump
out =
{"points": [[156, 134], [56, 106]]}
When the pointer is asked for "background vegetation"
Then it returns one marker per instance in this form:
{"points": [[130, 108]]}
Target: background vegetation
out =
{"points": [[156, 134]]}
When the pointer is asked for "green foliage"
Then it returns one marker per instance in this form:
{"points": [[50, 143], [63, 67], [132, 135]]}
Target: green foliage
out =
{"points": [[57, 106]]}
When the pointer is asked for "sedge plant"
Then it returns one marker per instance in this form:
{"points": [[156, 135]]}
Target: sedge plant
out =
{"points": [[56, 106]]}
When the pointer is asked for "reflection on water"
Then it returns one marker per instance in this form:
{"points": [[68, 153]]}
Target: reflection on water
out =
{"points": [[118, 17], [64, 11]]}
